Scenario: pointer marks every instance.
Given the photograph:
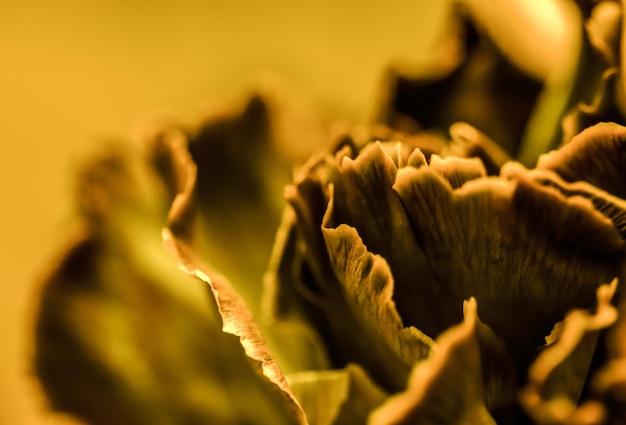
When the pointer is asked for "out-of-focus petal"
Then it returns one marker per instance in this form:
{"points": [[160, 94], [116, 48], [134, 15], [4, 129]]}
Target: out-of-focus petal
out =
{"points": [[538, 36], [236, 320], [166, 150], [558, 375], [237, 202], [603, 28], [124, 337], [471, 143], [609, 383], [284, 309], [337, 397], [607, 106], [231, 172], [474, 83], [446, 389], [236, 317]]}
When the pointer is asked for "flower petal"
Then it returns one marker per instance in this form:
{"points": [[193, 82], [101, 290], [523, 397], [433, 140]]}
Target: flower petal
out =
{"points": [[124, 337], [364, 198], [526, 253], [597, 155], [473, 83], [558, 375], [606, 107], [303, 274], [603, 28], [284, 308], [336, 397], [167, 153], [346, 333], [446, 389], [235, 204], [610, 206], [609, 383], [214, 214], [236, 317], [471, 143], [368, 285], [458, 171]]}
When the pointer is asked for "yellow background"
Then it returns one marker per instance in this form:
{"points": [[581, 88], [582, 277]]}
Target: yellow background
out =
{"points": [[73, 72]]}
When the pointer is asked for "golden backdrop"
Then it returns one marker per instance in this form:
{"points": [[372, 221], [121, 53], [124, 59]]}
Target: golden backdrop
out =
{"points": [[75, 72]]}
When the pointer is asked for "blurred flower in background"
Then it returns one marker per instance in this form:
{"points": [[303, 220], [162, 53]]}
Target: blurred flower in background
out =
{"points": [[435, 265]]}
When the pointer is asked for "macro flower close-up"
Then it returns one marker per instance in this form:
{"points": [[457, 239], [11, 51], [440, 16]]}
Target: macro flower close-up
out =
{"points": [[454, 254]]}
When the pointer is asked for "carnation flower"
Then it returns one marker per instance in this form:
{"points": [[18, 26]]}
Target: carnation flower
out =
{"points": [[418, 275]]}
